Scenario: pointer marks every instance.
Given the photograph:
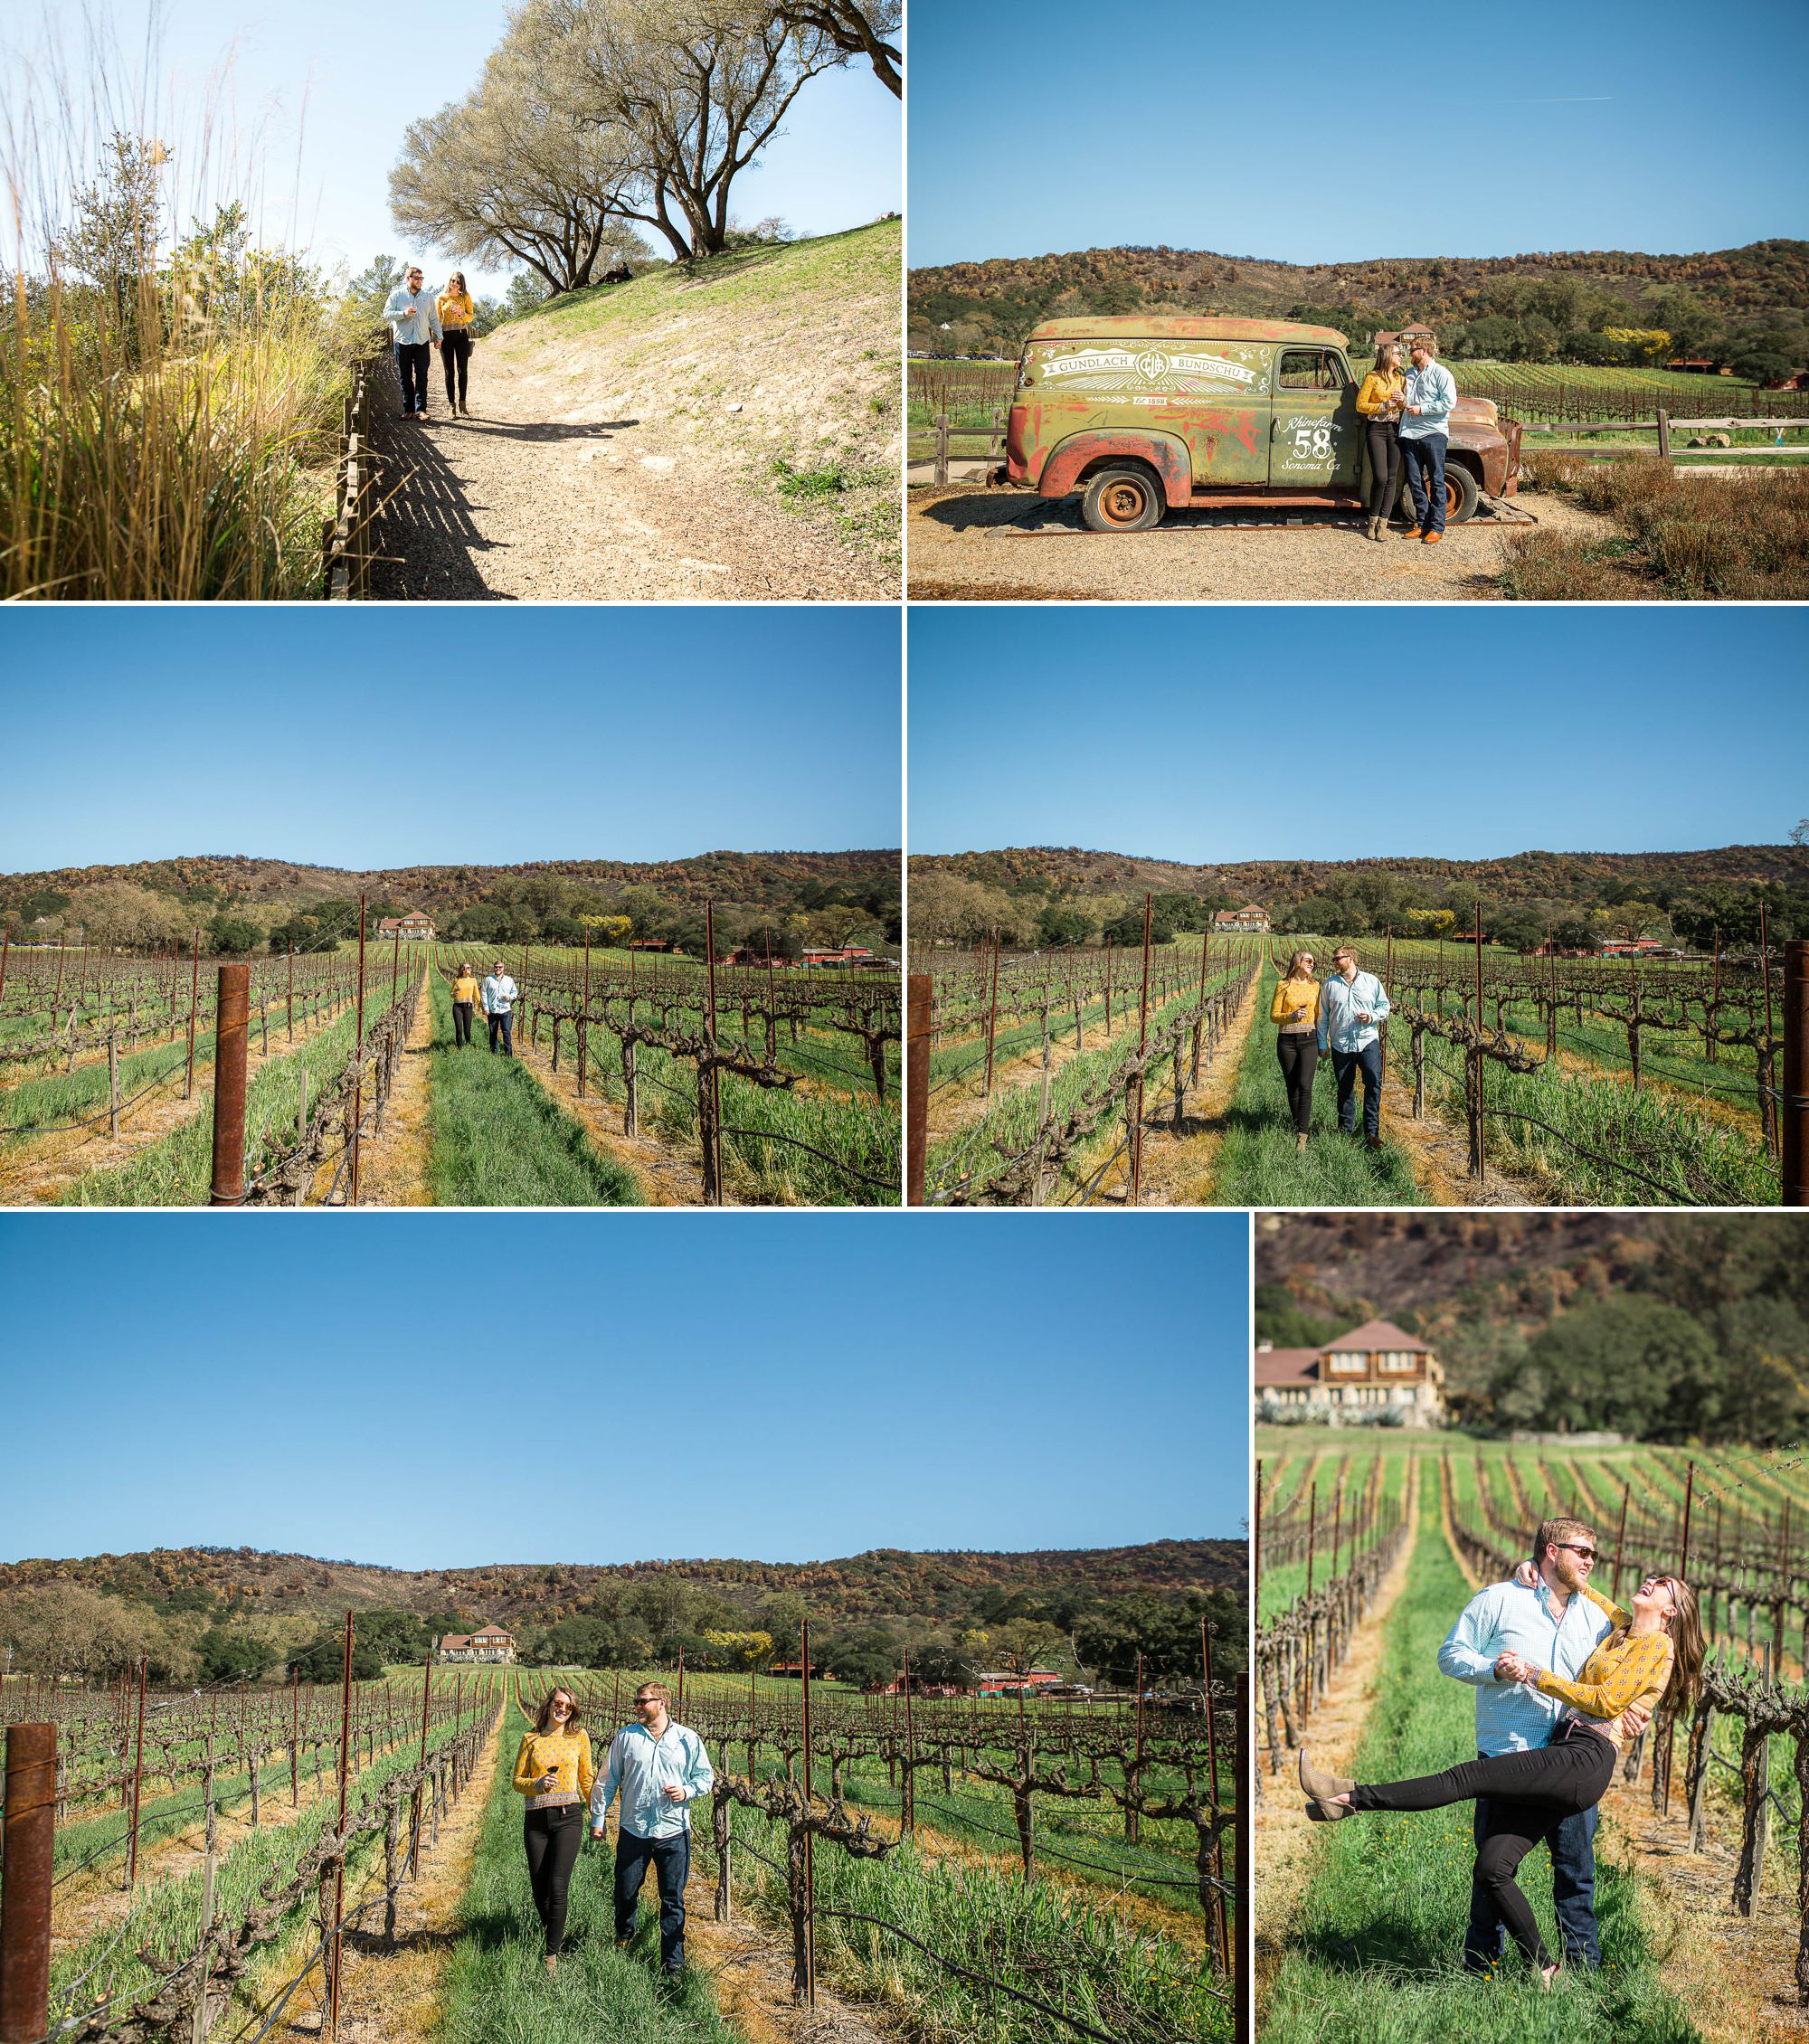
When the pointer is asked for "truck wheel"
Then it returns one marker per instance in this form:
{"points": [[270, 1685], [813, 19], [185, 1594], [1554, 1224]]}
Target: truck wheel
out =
{"points": [[1462, 495], [1126, 498]]}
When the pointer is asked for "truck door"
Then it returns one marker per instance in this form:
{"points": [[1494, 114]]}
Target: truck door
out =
{"points": [[1313, 442]]}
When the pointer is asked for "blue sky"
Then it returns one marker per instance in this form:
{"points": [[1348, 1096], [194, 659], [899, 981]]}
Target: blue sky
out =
{"points": [[1222, 732], [362, 736], [785, 1389], [1318, 133], [307, 104]]}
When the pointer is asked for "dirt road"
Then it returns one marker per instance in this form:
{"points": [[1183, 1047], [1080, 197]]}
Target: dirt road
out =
{"points": [[974, 544]]}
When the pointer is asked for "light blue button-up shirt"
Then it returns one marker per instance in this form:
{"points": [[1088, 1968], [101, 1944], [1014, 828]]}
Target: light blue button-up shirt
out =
{"points": [[1434, 390], [498, 995], [643, 1768], [413, 316], [1338, 1006], [1511, 1717]]}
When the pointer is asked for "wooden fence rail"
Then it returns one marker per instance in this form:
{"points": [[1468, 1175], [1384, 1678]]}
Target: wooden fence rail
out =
{"points": [[348, 540]]}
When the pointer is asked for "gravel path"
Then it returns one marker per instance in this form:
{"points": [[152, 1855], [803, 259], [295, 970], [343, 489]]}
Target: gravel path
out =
{"points": [[966, 543], [543, 495]]}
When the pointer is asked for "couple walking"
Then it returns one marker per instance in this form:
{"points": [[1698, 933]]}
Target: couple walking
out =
{"points": [[1344, 1016], [498, 995], [1408, 424], [1565, 1679], [660, 1767], [418, 322]]}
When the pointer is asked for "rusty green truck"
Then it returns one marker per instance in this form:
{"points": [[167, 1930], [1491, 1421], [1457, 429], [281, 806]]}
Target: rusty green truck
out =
{"points": [[1145, 415]]}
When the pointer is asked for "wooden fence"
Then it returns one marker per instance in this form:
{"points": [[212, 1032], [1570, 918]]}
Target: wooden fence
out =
{"points": [[993, 436], [348, 543]]}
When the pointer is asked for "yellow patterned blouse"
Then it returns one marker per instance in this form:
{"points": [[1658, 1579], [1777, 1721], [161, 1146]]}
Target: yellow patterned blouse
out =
{"points": [[1624, 1668], [565, 1754]]}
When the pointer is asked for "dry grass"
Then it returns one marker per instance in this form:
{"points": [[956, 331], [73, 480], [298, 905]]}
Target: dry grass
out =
{"points": [[1719, 536]]}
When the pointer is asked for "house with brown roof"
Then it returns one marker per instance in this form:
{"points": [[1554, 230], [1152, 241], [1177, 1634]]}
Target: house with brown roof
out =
{"points": [[488, 1643], [414, 928], [1252, 917], [1376, 1366]]}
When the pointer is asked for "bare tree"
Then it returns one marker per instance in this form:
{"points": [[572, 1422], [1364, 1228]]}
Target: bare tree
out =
{"points": [[862, 31], [700, 85], [513, 173]]}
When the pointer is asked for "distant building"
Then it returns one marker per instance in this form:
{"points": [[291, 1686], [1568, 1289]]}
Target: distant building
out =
{"points": [[1375, 1365], [1005, 1681], [1407, 336], [837, 954], [1252, 917], [653, 943], [412, 928], [488, 1643]]}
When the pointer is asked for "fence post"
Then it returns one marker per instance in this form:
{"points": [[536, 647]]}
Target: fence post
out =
{"points": [[231, 1018], [199, 2034], [1663, 434], [919, 1026], [941, 472], [1794, 1103], [358, 1117], [25, 1883], [992, 1012], [194, 994], [809, 1981], [1240, 1973]]}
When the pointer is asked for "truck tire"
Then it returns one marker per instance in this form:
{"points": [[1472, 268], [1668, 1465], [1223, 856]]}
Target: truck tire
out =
{"points": [[1124, 498], [1463, 494]]}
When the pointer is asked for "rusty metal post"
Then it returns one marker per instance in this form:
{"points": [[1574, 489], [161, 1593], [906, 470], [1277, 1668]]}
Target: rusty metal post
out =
{"points": [[1142, 1050], [295, 1736], [336, 1954], [357, 1118], [1794, 1085], [992, 1012], [25, 1883], [1767, 1096], [1240, 1976], [1620, 1541], [1476, 1159], [5, 944], [919, 1028], [231, 1018], [194, 998], [291, 994], [138, 1779], [907, 1811], [714, 1136], [414, 1815], [395, 966], [584, 1015], [63, 948], [1108, 985], [1212, 1776], [810, 1868]]}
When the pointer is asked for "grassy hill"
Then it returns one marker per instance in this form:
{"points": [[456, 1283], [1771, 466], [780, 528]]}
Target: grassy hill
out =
{"points": [[882, 1583], [1536, 875], [780, 360]]}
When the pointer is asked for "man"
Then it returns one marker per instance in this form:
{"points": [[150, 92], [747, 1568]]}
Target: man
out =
{"points": [[500, 996], [1425, 432], [1351, 1008], [1550, 1622], [414, 327], [661, 1768]]}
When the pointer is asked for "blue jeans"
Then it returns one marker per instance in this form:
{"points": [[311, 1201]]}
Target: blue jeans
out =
{"points": [[411, 372], [671, 1858], [1571, 1842], [503, 1025], [1427, 455], [1346, 1064]]}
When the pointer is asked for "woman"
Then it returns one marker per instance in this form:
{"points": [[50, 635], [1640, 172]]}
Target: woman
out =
{"points": [[464, 1002], [457, 317], [1380, 402], [554, 1770], [1296, 1008], [1653, 1653]]}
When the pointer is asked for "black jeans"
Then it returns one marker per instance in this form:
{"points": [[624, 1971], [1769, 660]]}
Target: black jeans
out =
{"points": [[1425, 462], [455, 352], [411, 375], [553, 1838], [1526, 1792], [461, 1023], [1571, 1842], [1347, 1064], [502, 1025], [1385, 470], [1300, 1061], [671, 1858]]}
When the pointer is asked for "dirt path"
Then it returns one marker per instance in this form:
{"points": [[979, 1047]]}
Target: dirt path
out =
{"points": [[1287, 1847], [36, 1173], [545, 494], [968, 543], [1439, 1154], [393, 1170]]}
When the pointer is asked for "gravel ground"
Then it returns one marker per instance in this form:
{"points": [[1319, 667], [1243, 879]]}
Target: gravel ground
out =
{"points": [[967, 543], [544, 495]]}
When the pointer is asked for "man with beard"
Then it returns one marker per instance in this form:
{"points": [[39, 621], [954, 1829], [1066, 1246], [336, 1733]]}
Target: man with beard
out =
{"points": [[1546, 1622]]}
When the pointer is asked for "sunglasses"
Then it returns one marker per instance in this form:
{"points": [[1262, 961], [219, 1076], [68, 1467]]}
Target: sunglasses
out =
{"points": [[1588, 1554], [1663, 1583]]}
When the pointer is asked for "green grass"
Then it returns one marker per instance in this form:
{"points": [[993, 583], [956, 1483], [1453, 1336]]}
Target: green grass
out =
{"points": [[496, 1990], [496, 1138], [1257, 1162], [1374, 1949]]}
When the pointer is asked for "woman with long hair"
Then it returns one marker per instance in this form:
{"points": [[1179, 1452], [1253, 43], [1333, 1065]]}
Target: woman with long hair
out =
{"points": [[1380, 402], [1295, 1009], [458, 321], [554, 1770], [1652, 1657]]}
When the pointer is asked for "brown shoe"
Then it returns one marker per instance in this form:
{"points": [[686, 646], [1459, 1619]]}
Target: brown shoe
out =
{"points": [[1413, 531], [1430, 539], [1322, 1792], [1372, 1143], [1300, 1144]]}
